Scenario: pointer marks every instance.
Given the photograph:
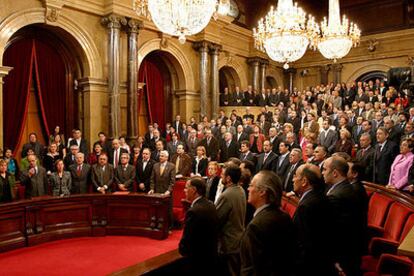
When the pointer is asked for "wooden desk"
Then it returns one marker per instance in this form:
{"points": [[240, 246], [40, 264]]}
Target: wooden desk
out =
{"points": [[30, 222], [406, 248]]}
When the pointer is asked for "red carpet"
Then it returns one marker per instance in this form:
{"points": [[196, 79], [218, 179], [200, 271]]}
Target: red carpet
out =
{"points": [[84, 256]]}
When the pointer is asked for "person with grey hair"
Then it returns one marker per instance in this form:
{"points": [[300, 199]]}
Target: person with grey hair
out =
{"points": [[229, 148], [295, 160], [80, 173], [163, 179], [267, 245], [70, 157], [125, 174]]}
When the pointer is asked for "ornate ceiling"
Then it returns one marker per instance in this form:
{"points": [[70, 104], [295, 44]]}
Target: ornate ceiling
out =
{"points": [[372, 16]]}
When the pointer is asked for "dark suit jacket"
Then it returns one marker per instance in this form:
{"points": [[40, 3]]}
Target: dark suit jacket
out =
{"points": [[346, 223], [328, 140], [202, 166], [83, 147], [268, 164], [112, 153], [243, 137], [200, 236], [125, 176], [144, 176], [266, 245], [165, 182], [185, 164], [37, 185], [68, 161], [312, 225], [260, 101], [101, 178], [173, 149], [283, 168], [383, 161], [366, 159], [250, 156], [61, 186], [80, 182], [227, 152], [211, 189], [211, 149], [288, 180]]}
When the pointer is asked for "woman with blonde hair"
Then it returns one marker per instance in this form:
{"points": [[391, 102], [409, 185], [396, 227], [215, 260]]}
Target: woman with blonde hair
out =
{"points": [[200, 162], [344, 143]]}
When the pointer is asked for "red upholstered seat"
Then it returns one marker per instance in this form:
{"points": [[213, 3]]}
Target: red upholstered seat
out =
{"points": [[290, 209], [396, 228], [377, 210], [178, 195]]}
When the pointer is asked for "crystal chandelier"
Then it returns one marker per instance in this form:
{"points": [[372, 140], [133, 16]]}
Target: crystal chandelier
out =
{"points": [[337, 38], [285, 33], [180, 17]]}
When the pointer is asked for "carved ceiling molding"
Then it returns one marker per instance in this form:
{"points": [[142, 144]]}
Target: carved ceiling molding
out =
{"points": [[52, 10]]}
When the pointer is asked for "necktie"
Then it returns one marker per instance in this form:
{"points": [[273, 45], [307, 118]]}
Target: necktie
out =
{"points": [[208, 141], [144, 165], [265, 157], [79, 170], [161, 169], [116, 159]]}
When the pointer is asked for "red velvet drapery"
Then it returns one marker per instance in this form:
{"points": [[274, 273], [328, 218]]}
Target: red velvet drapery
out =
{"points": [[17, 90], [33, 59], [49, 71], [154, 91]]}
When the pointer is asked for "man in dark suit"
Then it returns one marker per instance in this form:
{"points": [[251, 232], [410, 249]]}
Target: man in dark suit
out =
{"points": [[394, 133], [295, 160], [79, 141], [365, 156], [267, 159], [115, 153], [231, 211], [182, 162], [268, 244], [245, 153], [211, 145], [105, 144], [125, 174], [229, 148], [238, 97], [192, 143], [34, 178], [178, 125], [357, 130], [80, 173], [70, 157], [240, 135], [384, 154], [155, 155], [328, 137], [34, 145], [199, 241], [262, 99], [102, 175], [163, 180], [144, 171], [172, 145], [282, 163], [345, 218], [312, 223]]}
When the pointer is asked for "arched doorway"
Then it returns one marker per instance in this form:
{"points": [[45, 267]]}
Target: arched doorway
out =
{"points": [[270, 82], [159, 76], [372, 76], [40, 88], [228, 78]]}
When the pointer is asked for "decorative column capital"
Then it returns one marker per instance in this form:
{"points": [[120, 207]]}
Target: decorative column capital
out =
{"points": [[113, 21], [133, 26], [290, 71], [324, 68], [215, 49], [264, 63], [255, 61], [337, 67], [201, 46]]}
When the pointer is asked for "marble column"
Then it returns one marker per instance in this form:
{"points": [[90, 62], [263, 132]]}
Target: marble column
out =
{"points": [[254, 65], [263, 65], [202, 48], [323, 71], [214, 80], [114, 23], [132, 70], [337, 70], [4, 71], [289, 78]]}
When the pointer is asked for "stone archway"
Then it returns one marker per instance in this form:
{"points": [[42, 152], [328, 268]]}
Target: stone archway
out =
{"points": [[238, 73], [228, 78], [366, 69], [79, 40], [270, 82], [372, 75]]}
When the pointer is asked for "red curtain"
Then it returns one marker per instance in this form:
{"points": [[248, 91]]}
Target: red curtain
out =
{"points": [[154, 91], [49, 71], [17, 90]]}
